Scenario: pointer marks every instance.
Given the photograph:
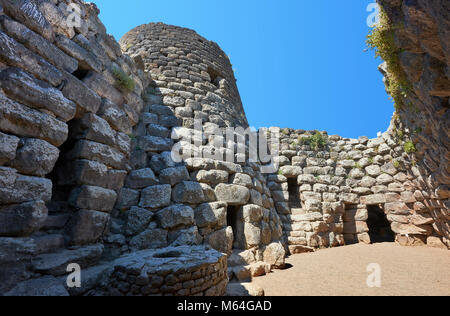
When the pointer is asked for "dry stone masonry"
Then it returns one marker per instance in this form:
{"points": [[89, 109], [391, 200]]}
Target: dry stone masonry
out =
{"points": [[87, 127]]}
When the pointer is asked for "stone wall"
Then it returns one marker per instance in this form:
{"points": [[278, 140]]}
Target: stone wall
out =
{"points": [[424, 56], [87, 176], [325, 195]]}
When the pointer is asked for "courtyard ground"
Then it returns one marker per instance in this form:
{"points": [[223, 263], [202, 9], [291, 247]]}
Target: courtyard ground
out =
{"points": [[343, 271]]}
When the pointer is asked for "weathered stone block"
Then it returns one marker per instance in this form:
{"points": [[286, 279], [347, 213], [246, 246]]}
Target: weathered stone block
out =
{"points": [[154, 144], [23, 121], [211, 215], [150, 239], [86, 227], [35, 157], [8, 147], [274, 255], [232, 194], [127, 198], [25, 89], [56, 263], [137, 220], [22, 219], [174, 175], [93, 198], [19, 189], [142, 178], [212, 176], [373, 199], [156, 196], [17, 55], [85, 149], [188, 192]]}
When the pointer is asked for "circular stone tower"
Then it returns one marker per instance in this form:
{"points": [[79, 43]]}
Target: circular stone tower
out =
{"points": [[215, 201], [190, 72]]}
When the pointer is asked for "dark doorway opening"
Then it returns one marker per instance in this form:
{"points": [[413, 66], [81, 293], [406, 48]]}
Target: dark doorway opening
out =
{"points": [[294, 193], [235, 223], [379, 226]]}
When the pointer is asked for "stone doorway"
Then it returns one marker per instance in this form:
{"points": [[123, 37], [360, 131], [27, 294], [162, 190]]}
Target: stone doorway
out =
{"points": [[379, 226], [294, 193], [236, 222]]}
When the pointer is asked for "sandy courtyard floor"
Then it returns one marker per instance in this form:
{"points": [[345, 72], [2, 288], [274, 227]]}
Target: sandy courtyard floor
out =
{"points": [[342, 271]]}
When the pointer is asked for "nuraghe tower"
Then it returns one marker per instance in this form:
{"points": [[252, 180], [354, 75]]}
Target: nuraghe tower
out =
{"points": [[87, 126]]}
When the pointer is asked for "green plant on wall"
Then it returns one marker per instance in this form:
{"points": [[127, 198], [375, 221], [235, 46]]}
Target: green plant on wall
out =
{"points": [[382, 40], [123, 80], [316, 142], [409, 147]]}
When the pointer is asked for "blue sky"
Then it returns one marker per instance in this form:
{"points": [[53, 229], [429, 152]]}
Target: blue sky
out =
{"points": [[299, 63]]}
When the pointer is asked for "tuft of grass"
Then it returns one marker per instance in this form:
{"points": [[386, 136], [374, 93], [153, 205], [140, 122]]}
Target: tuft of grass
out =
{"points": [[358, 165], [396, 164], [409, 147], [382, 39], [123, 80], [317, 141]]}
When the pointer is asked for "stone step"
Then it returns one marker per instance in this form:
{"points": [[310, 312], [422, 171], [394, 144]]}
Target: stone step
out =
{"points": [[56, 221], [56, 263], [48, 243], [298, 211]]}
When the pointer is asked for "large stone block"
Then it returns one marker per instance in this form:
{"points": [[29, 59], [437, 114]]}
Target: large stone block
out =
{"points": [[22, 87], [409, 229], [15, 188], [115, 116], [211, 215], [150, 239], [39, 45], [8, 147], [45, 286], [28, 13], [94, 128], [189, 192], [86, 227], [175, 215], [17, 55], [222, 240], [212, 176], [85, 58], [137, 220], [232, 194], [142, 178], [373, 199], [80, 172], [274, 255], [174, 175], [23, 121], [56, 263], [22, 219], [127, 198], [155, 144], [93, 198], [35, 157], [75, 90], [85, 149], [156, 196]]}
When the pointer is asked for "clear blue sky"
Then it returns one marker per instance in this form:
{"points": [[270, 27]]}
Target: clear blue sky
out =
{"points": [[299, 63]]}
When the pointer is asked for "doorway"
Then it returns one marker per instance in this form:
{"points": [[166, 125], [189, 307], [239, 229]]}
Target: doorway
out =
{"points": [[294, 193], [379, 226]]}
